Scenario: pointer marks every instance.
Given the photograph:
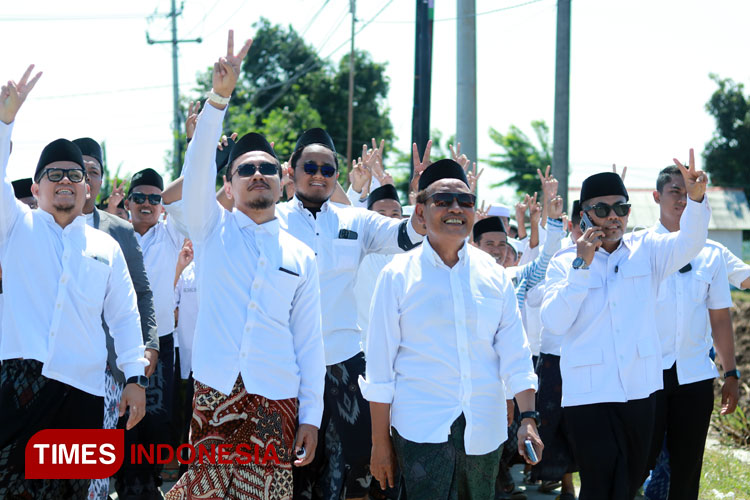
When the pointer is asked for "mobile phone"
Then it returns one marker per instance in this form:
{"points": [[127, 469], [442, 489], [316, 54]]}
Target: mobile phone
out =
{"points": [[585, 222], [530, 453], [301, 453]]}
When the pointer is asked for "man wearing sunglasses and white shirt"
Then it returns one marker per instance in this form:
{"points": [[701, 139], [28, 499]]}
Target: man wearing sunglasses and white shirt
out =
{"points": [[603, 304], [61, 276], [340, 237], [161, 242]]}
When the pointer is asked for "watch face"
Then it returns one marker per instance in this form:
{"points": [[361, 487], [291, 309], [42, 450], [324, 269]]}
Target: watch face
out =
{"points": [[577, 262]]}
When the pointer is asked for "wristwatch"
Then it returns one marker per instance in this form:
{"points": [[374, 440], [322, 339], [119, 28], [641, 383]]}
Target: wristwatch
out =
{"points": [[732, 373], [579, 263], [140, 380], [531, 414]]}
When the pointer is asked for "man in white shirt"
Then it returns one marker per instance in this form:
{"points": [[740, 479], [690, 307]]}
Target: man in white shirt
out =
{"points": [[603, 304], [123, 233], [558, 464], [692, 314], [257, 350], [340, 237], [445, 340], [383, 200], [53, 348], [160, 242]]}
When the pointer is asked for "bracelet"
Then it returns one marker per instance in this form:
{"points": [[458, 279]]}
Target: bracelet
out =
{"points": [[213, 96]]}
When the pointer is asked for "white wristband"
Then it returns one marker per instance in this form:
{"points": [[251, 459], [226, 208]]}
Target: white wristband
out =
{"points": [[213, 96]]}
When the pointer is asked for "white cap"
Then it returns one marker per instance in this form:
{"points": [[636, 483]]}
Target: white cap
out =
{"points": [[499, 210]]}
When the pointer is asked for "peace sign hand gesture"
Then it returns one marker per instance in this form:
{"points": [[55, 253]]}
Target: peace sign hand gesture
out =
{"points": [[696, 181], [12, 95], [227, 69], [419, 164], [549, 184]]}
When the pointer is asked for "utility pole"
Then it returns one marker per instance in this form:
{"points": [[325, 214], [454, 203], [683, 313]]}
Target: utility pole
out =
{"points": [[352, 8], [420, 115], [562, 100], [466, 88], [177, 124]]}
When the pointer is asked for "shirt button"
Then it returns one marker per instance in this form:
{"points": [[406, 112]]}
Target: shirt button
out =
{"points": [[252, 305], [256, 286], [52, 334], [58, 305], [465, 376], [262, 262], [244, 354]]}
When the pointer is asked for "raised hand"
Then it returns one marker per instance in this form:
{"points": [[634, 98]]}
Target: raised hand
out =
{"points": [[185, 257], [521, 208], [286, 180], [535, 211], [12, 95], [624, 171], [192, 119], [227, 68], [549, 184], [473, 176], [379, 169], [116, 196], [481, 212], [360, 177], [696, 181], [456, 153], [555, 208], [419, 164]]}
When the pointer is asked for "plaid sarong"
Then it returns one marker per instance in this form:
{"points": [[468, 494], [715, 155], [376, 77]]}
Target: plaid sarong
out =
{"points": [[236, 419]]}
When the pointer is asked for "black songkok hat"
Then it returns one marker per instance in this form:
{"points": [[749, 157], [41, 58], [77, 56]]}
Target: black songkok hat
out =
{"points": [[384, 192], [251, 142], [146, 177], [58, 150], [488, 225], [90, 147], [442, 169], [22, 187], [603, 184], [315, 136], [222, 155]]}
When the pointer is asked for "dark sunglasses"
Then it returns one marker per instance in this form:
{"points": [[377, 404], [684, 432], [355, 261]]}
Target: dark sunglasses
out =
{"points": [[74, 175], [140, 198], [602, 209], [311, 168], [465, 200], [249, 169]]}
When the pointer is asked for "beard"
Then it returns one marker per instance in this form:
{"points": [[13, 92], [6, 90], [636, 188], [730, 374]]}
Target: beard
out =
{"points": [[261, 203], [314, 199]]}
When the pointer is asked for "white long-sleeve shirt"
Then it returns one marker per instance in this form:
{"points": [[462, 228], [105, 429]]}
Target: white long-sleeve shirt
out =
{"points": [[611, 351], [57, 283], [340, 237], [367, 276], [737, 270], [259, 312], [682, 320], [186, 300], [444, 341], [161, 246]]}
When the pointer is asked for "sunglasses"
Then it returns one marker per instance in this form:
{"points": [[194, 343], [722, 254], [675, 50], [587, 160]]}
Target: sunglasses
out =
{"points": [[249, 169], [74, 175], [140, 198], [602, 209], [443, 200], [311, 168]]}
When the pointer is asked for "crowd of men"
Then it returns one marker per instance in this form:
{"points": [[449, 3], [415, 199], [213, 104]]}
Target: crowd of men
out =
{"points": [[429, 350]]}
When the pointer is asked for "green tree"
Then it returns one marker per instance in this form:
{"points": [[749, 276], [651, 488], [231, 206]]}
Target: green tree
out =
{"points": [[521, 157], [286, 87], [727, 154]]}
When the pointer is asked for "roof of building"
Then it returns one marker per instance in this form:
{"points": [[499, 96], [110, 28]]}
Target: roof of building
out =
{"points": [[729, 208]]}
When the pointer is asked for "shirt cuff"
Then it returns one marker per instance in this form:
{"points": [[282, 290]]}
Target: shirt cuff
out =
{"points": [[354, 197], [523, 382], [412, 233], [579, 276], [555, 224], [377, 392], [311, 414], [134, 368]]}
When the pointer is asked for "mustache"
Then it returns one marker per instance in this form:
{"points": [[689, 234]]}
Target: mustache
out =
{"points": [[256, 183]]}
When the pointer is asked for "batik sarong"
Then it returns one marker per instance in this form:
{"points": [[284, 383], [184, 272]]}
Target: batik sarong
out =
{"points": [[261, 424]]}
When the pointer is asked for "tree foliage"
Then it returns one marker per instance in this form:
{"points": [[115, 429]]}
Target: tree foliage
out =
{"points": [[520, 157], [727, 154], [286, 87]]}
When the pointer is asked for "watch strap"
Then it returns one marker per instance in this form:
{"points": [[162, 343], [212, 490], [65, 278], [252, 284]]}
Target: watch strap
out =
{"points": [[732, 373]]}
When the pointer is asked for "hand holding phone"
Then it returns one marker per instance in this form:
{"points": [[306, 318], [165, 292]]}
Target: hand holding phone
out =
{"points": [[530, 452]]}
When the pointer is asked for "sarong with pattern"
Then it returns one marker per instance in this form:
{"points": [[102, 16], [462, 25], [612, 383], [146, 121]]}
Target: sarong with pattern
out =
{"points": [[235, 419], [99, 489]]}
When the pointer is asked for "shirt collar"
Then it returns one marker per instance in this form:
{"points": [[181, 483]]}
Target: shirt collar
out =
{"points": [[271, 227], [296, 203], [430, 255], [660, 229]]}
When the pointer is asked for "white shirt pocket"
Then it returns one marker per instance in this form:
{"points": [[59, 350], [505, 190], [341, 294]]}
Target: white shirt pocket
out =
{"points": [[699, 286], [278, 297], [580, 362], [346, 253], [91, 283]]}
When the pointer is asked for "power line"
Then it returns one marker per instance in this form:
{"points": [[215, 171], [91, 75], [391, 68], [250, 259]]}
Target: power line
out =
{"points": [[112, 91], [315, 16], [493, 11], [108, 17], [242, 6], [205, 16]]}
